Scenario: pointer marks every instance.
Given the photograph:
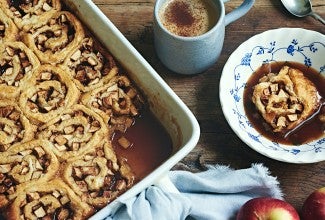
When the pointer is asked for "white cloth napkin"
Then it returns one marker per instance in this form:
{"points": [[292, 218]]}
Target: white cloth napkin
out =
{"points": [[215, 194]]}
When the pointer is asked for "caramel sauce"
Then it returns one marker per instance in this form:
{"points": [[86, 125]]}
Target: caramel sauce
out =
{"points": [[151, 145], [309, 130]]}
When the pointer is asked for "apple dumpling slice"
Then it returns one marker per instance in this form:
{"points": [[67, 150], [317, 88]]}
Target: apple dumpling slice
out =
{"points": [[27, 14], [74, 131], [50, 200], [50, 91], [118, 102], [286, 99], [53, 41], [25, 163], [97, 176], [17, 63], [90, 66], [8, 30], [14, 126]]}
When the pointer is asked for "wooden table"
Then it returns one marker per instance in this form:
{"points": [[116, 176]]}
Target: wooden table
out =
{"points": [[218, 143]]}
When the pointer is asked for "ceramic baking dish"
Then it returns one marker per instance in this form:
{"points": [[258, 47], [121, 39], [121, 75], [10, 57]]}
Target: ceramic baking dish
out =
{"points": [[174, 115]]}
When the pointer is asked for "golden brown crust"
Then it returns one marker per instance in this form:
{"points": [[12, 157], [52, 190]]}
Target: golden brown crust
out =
{"points": [[50, 91], [118, 102], [49, 201], [74, 131], [88, 67], [53, 41], [17, 64], [27, 14], [8, 30], [15, 127], [96, 176], [26, 163], [286, 99], [47, 133]]}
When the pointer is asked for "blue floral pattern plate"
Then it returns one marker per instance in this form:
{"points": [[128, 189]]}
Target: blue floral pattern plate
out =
{"points": [[284, 44]]}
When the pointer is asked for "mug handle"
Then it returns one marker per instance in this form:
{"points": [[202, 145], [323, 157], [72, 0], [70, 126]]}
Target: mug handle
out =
{"points": [[239, 11]]}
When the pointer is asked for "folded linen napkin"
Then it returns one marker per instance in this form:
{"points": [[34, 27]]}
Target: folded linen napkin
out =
{"points": [[216, 193]]}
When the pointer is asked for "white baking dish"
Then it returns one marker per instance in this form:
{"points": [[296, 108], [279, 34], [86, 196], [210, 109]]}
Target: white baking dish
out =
{"points": [[177, 119]]}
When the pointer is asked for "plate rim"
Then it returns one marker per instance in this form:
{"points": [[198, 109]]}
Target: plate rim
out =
{"points": [[223, 94]]}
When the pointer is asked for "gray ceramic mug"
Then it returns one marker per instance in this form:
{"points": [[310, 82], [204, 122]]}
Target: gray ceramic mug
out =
{"points": [[192, 55]]}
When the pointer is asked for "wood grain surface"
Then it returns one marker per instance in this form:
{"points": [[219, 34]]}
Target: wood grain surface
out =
{"points": [[218, 144]]}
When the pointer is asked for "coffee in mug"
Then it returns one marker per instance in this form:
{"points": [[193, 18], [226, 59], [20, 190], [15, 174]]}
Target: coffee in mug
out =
{"points": [[188, 18], [189, 34]]}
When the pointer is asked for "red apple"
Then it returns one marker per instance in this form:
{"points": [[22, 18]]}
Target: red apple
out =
{"points": [[267, 208], [314, 206]]}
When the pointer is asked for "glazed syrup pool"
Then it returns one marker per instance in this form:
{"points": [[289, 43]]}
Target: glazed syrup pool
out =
{"points": [[150, 146], [309, 130]]}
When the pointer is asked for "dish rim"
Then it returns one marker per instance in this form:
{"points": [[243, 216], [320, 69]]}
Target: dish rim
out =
{"points": [[292, 153]]}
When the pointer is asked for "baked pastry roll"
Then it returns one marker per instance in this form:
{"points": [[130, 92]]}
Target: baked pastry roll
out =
{"points": [[89, 66], [53, 41], [17, 63], [14, 126], [97, 177], [23, 164], [118, 102], [75, 131], [50, 200], [286, 99], [27, 14], [8, 30], [50, 91]]}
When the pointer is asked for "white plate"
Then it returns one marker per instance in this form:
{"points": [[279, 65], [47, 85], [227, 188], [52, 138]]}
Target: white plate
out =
{"points": [[284, 44]]}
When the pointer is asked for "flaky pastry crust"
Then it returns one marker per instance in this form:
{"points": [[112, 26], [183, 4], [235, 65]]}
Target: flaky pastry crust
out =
{"points": [[89, 67], [26, 163], [50, 200], [53, 41], [49, 92], [15, 128], [96, 175], [74, 131], [17, 64], [286, 99], [28, 14], [8, 30]]}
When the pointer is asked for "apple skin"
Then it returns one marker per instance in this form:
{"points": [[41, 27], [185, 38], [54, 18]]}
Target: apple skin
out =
{"points": [[314, 206], [267, 208]]}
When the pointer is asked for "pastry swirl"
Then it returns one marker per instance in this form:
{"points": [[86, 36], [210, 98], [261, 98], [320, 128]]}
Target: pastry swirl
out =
{"points": [[14, 126], [74, 131], [286, 99], [51, 200], [27, 14], [89, 67], [50, 91], [8, 30], [118, 102], [96, 176], [53, 41], [25, 163], [17, 63], [62, 97]]}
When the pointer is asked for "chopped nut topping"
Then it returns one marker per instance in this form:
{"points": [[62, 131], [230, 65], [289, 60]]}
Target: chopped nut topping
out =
{"points": [[5, 168], [40, 212], [125, 143], [76, 55]]}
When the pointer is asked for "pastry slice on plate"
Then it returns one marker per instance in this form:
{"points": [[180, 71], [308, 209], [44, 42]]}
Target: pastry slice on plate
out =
{"points": [[286, 99]]}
